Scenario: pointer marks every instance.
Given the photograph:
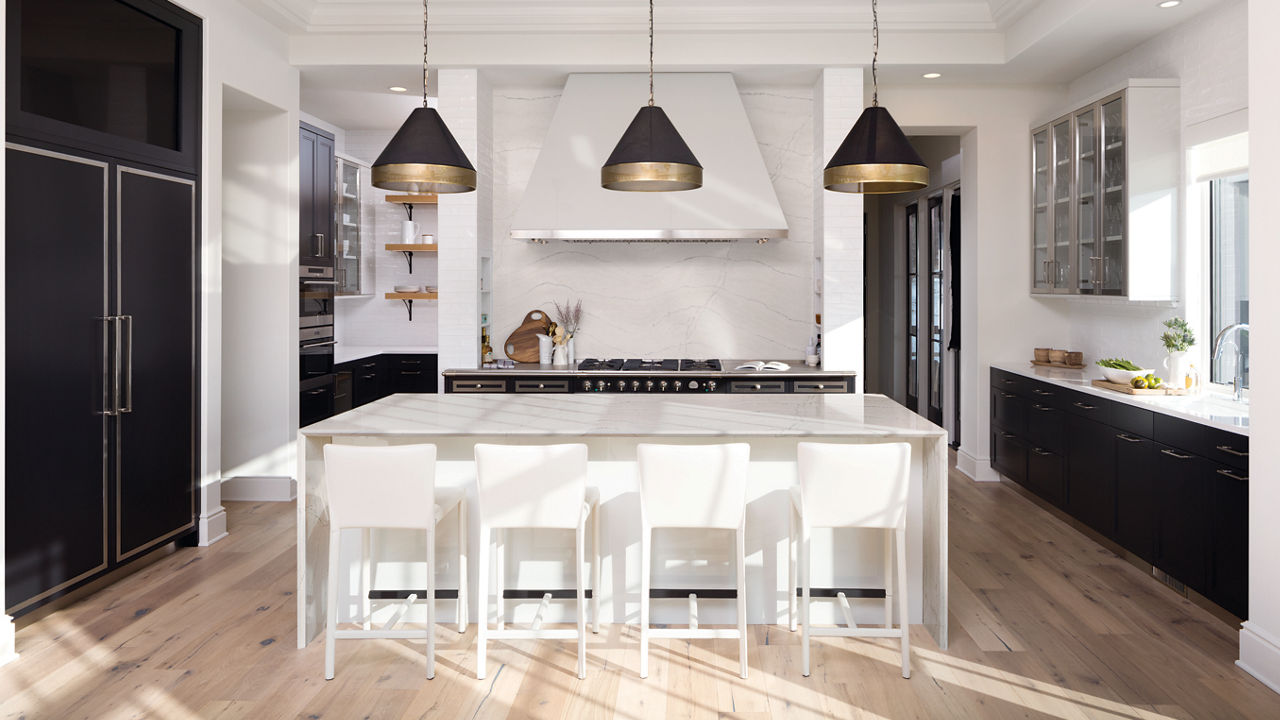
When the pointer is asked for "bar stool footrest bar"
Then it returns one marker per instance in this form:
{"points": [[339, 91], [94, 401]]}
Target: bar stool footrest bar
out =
{"points": [[851, 593], [441, 594], [702, 593]]}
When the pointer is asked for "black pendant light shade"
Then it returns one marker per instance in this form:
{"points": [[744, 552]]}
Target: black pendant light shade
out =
{"points": [[651, 157], [876, 158], [423, 157]]}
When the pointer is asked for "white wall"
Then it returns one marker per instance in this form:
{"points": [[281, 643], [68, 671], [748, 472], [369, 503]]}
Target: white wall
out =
{"points": [[257, 437], [735, 299], [1260, 638], [1207, 54]]}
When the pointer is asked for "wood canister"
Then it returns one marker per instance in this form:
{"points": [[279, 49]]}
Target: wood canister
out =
{"points": [[1075, 358], [1042, 354], [1058, 356]]}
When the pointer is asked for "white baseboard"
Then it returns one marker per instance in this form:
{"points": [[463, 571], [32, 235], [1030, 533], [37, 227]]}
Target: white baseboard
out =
{"points": [[978, 469], [214, 527], [8, 646], [259, 489], [1260, 655]]}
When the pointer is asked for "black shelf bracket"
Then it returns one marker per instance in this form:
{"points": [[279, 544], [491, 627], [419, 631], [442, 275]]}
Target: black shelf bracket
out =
{"points": [[408, 255], [408, 303], [408, 208]]}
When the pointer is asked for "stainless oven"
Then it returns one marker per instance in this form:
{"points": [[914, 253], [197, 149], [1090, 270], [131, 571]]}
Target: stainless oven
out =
{"points": [[315, 296], [315, 352]]}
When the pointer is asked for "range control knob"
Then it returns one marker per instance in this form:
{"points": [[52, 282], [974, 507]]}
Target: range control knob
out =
{"points": [[635, 384], [693, 384], [711, 386], [586, 385], [663, 385], [622, 385], [648, 385]]}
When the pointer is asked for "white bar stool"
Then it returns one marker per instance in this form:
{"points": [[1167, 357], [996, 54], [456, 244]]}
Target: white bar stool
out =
{"points": [[534, 487], [380, 487], [447, 500], [692, 486], [852, 486]]}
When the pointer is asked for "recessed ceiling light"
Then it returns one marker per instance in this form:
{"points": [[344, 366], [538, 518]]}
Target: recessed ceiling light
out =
{"points": [[932, 76], [1169, 3], [396, 88]]}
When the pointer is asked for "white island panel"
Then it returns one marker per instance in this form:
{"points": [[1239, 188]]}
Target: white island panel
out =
{"points": [[611, 427]]}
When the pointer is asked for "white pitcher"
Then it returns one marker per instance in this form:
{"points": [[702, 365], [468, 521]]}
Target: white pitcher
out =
{"points": [[408, 231], [1175, 364]]}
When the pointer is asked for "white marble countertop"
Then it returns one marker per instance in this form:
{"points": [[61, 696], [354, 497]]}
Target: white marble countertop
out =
{"points": [[706, 415], [347, 353], [1207, 408]]}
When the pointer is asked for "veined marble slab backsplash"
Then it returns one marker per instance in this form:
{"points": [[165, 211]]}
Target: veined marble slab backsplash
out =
{"points": [[738, 299]]}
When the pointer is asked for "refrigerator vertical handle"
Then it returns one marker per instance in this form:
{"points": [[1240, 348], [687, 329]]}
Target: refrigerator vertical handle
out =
{"points": [[126, 351], [109, 386]]}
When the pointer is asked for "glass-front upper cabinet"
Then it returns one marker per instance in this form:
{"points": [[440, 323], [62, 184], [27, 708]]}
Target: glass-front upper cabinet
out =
{"points": [[1041, 280], [1088, 256], [349, 248], [1060, 265], [1114, 212]]}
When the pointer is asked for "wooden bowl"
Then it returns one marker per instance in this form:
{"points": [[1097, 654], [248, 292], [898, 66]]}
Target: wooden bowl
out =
{"points": [[1075, 358], [1042, 354], [1058, 356]]}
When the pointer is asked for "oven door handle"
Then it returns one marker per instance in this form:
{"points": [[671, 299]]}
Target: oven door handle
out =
{"points": [[308, 346], [319, 282]]}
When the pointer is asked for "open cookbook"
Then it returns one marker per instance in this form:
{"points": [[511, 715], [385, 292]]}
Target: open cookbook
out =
{"points": [[762, 365]]}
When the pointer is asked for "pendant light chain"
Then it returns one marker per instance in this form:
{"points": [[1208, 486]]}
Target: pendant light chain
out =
{"points": [[424, 54], [875, 54], [650, 53]]}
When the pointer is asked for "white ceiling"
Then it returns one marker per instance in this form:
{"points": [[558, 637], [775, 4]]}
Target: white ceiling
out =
{"points": [[350, 51]]}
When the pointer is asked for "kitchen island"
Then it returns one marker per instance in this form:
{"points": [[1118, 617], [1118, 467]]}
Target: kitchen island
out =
{"points": [[611, 427]]}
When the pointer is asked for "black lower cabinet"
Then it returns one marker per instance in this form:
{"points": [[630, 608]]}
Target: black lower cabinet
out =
{"points": [[1182, 492], [315, 400], [1047, 475], [1172, 492], [367, 378], [1137, 500], [1229, 546], [1008, 455], [412, 373], [1091, 473]]}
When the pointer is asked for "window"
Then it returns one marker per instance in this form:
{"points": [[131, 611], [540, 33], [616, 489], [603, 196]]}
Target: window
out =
{"points": [[1229, 272], [913, 308]]}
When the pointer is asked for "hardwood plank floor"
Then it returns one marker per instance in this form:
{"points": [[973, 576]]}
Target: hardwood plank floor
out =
{"points": [[1045, 623]]}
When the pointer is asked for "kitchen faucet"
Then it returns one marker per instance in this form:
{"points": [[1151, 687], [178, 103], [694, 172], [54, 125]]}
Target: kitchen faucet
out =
{"points": [[1237, 383]]}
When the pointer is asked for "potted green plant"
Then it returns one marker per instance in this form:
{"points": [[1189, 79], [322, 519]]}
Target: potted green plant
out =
{"points": [[1177, 339]]}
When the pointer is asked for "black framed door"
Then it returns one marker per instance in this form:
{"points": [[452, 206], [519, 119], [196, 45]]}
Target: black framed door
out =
{"points": [[158, 299], [913, 307], [935, 286], [55, 374]]}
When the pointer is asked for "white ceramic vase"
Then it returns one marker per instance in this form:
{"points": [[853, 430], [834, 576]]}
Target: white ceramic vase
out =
{"points": [[544, 349], [560, 356], [573, 360], [1176, 367]]}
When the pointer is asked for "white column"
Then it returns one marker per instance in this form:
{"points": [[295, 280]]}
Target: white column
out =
{"points": [[1260, 636], [838, 227], [7, 648], [466, 219]]}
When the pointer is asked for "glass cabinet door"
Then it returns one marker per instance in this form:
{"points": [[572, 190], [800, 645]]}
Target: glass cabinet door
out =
{"points": [[1060, 262], [1042, 277], [1113, 206], [347, 270], [1088, 255]]}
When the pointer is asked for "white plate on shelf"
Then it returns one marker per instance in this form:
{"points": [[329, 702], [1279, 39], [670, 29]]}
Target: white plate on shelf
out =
{"points": [[407, 288]]}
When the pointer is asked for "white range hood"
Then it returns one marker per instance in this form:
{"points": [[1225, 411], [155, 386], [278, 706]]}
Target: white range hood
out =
{"points": [[564, 199]]}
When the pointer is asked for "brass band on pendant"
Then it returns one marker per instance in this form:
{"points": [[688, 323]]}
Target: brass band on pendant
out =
{"points": [[876, 179], [651, 176], [424, 178]]}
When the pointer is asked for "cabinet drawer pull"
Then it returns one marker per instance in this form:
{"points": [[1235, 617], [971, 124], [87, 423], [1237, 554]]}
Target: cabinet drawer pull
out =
{"points": [[1180, 456], [317, 391], [1085, 406], [369, 365], [1126, 438], [410, 362], [1038, 391], [1232, 451], [1232, 475], [410, 372], [370, 376], [1040, 452], [1007, 395], [1043, 408], [1009, 382], [1006, 436]]}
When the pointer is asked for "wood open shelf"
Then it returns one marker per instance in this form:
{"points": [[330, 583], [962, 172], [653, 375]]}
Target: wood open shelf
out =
{"points": [[413, 247], [413, 296], [413, 199]]}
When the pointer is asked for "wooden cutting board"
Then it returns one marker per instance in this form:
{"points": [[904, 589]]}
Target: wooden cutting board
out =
{"points": [[522, 345], [1130, 390]]}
